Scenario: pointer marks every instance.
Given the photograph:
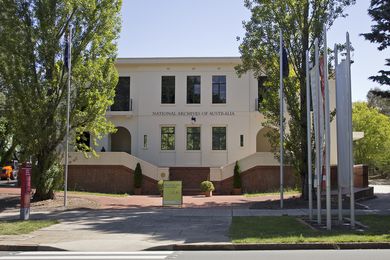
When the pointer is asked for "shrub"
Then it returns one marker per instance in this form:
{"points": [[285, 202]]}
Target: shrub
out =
{"points": [[237, 176], [207, 186], [160, 185], [138, 176]]}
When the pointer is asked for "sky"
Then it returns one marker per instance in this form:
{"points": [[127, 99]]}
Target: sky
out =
{"points": [[209, 28]]}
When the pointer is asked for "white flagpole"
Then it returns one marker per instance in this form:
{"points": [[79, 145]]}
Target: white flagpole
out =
{"points": [[339, 190], [350, 133], [318, 144], [281, 117], [309, 166], [327, 136], [67, 117]]}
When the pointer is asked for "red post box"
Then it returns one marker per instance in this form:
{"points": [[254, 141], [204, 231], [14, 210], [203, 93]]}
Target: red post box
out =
{"points": [[25, 191]]}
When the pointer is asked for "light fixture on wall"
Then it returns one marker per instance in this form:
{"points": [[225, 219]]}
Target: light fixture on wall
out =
{"points": [[193, 120]]}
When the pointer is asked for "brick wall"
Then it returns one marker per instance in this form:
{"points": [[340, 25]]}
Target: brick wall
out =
{"points": [[107, 179], [191, 177], [258, 179]]}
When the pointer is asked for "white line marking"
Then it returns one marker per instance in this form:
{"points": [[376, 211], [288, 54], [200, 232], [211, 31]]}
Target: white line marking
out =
{"points": [[84, 257], [96, 253]]}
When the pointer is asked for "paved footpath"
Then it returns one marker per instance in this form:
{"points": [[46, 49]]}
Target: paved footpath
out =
{"points": [[139, 222]]}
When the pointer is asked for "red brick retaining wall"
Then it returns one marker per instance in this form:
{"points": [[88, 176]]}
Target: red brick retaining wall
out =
{"points": [[107, 179], [259, 179]]}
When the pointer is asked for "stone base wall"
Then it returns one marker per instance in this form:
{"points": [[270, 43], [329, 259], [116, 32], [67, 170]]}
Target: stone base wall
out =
{"points": [[191, 177], [258, 179], [107, 179], [120, 179]]}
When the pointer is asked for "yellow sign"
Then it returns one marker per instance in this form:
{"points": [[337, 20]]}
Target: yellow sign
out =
{"points": [[172, 193]]}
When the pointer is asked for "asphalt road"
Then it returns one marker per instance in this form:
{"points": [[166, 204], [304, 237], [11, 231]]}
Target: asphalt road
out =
{"points": [[204, 255]]}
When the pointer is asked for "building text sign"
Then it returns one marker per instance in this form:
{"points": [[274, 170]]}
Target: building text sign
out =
{"points": [[204, 113], [172, 193]]}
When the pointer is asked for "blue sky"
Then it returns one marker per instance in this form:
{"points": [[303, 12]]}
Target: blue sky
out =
{"points": [[190, 28]]}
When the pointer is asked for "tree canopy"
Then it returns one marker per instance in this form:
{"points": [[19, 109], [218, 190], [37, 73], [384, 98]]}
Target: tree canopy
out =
{"points": [[34, 78], [301, 21], [374, 148], [379, 11]]}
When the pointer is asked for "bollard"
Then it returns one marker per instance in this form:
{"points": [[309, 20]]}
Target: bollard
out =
{"points": [[25, 191]]}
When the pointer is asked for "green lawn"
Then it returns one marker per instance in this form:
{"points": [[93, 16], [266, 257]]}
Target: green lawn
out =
{"points": [[96, 193], [288, 229], [18, 227]]}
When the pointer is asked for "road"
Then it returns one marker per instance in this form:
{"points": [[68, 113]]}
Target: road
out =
{"points": [[204, 255]]}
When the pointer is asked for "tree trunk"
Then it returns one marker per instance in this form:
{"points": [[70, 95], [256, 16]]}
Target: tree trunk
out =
{"points": [[43, 178]]}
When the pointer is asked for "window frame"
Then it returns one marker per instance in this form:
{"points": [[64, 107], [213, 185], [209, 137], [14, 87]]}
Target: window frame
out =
{"points": [[172, 134], [169, 92], [224, 148], [199, 138], [218, 85], [191, 89]]}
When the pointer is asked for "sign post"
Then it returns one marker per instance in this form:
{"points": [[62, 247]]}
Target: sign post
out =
{"points": [[172, 193], [25, 191]]}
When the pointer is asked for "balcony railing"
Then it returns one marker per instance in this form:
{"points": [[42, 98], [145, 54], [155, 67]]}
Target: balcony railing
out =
{"points": [[121, 109]]}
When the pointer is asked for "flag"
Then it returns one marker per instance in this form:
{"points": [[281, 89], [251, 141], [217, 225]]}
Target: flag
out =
{"points": [[285, 62], [66, 52]]}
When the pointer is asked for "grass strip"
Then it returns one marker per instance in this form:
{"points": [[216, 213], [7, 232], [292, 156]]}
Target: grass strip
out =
{"points": [[288, 229], [19, 227]]}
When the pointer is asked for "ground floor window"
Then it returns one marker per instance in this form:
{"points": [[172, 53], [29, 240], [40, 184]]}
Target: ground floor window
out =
{"points": [[193, 138], [219, 138], [168, 138]]}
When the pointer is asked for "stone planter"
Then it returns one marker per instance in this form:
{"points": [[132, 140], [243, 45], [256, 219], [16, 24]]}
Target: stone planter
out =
{"points": [[237, 191], [208, 193]]}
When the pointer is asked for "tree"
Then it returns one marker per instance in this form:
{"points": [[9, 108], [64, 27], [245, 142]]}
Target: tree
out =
{"points": [[374, 148], [380, 100], [379, 11], [301, 22], [33, 74]]}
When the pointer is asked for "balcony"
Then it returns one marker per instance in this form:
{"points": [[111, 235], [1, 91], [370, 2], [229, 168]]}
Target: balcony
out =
{"points": [[124, 108]]}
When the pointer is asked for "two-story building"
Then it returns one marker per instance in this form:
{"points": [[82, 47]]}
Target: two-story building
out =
{"points": [[186, 119]]}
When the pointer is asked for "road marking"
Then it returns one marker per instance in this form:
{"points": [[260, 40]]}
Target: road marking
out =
{"points": [[96, 253], [87, 255]]}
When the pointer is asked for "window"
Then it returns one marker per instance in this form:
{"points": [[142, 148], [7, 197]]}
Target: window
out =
{"points": [[168, 138], [193, 138], [219, 138], [145, 141], [242, 140], [219, 89], [193, 89], [122, 95], [261, 89], [168, 90]]}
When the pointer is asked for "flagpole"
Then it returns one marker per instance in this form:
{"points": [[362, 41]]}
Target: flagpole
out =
{"points": [[327, 137], [308, 129], [67, 117], [281, 118]]}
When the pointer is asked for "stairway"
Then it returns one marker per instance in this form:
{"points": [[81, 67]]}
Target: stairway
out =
{"points": [[191, 178]]}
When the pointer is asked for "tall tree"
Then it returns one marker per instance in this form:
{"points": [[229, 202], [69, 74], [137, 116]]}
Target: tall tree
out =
{"points": [[301, 21], [380, 100], [33, 74], [374, 148], [379, 11]]}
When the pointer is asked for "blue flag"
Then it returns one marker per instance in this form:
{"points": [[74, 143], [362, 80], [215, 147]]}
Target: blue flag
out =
{"points": [[285, 62], [66, 53]]}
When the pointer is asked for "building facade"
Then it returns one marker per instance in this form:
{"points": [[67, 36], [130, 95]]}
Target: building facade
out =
{"points": [[186, 119]]}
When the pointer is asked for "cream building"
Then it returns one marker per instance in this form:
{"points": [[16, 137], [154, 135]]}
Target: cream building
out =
{"points": [[192, 113]]}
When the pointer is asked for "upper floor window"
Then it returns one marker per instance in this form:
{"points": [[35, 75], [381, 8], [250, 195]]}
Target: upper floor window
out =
{"points": [[193, 138], [122, 95], [219, 89], [193, 89], [168, 138], [168, 90], [219, 138]]}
